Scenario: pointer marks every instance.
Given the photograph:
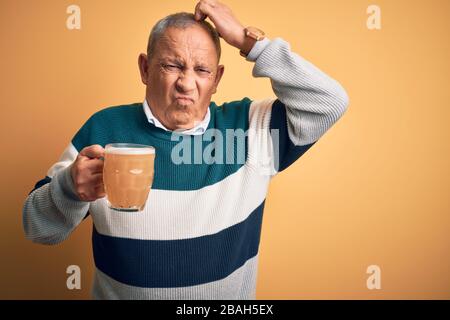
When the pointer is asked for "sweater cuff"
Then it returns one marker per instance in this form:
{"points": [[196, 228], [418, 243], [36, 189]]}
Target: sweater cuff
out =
{"points": [[257, 49], [64, 186]]}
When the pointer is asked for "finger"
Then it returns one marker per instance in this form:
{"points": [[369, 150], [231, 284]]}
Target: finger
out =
{"points": [[86, 196], [87, 167], [87, 181], [92, 193], [94, 151], [199, 14], [96, 179], [100, 191], [95, 165]]}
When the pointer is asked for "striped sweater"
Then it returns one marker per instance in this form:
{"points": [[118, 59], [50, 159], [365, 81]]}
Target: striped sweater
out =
{"points": [[199, 234]]}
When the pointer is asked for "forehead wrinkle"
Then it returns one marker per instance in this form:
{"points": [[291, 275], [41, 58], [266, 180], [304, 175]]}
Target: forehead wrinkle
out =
{"points": [[184, 49]]}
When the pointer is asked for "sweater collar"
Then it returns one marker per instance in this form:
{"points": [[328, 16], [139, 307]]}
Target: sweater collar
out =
{"points": [[200, 128]]}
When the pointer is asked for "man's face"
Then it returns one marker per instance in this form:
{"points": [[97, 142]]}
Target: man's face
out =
{"points": [[181, 76]]}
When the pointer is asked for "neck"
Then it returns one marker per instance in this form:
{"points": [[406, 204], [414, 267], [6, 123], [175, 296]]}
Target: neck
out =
{"points": [[171, 127]]}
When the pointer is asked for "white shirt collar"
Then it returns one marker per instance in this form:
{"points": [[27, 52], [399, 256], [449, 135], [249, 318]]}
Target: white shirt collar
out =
{"points": [[200, 128]]}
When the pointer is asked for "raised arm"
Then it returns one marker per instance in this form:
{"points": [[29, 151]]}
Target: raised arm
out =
{"points": [[308, 101]]}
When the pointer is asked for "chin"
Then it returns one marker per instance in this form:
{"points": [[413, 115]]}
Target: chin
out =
{"points": [[181, 120], [184, 115]]}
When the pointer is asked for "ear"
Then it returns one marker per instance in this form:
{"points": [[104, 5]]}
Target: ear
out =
{"points": [[143, 67], [219, 74]]}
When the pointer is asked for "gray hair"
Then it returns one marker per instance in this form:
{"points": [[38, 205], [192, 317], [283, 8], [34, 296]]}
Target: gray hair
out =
{"points": [[181, 20]]}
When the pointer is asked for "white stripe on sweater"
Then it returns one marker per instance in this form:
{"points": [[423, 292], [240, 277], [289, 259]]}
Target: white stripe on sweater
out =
{"points": [[172, 215]]}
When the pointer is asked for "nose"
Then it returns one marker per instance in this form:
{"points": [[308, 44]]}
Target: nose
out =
{"points": [[186, 82]]}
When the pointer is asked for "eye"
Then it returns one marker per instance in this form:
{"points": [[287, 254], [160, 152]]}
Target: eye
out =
{"points": [[171, 67], [203, 70]]}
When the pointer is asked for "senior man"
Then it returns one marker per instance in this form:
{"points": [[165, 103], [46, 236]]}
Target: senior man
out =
{"points": [[199, 233]]}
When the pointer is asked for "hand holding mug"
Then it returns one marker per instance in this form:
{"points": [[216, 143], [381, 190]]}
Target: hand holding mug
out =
{"points": [[87, 173]]}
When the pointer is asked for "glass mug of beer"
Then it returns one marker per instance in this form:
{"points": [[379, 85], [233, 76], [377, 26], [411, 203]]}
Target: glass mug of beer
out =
{"points": [[128, 175]]}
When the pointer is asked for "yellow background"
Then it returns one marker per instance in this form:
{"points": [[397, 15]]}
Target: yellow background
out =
{"points": [[373, 191]]}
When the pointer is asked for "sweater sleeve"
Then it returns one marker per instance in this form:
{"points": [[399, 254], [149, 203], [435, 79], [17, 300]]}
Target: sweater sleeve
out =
{"points": [[308, 103], [52, 210]]}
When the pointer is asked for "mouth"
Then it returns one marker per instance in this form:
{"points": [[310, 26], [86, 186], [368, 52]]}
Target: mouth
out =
{"points": [[184, 100]]}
